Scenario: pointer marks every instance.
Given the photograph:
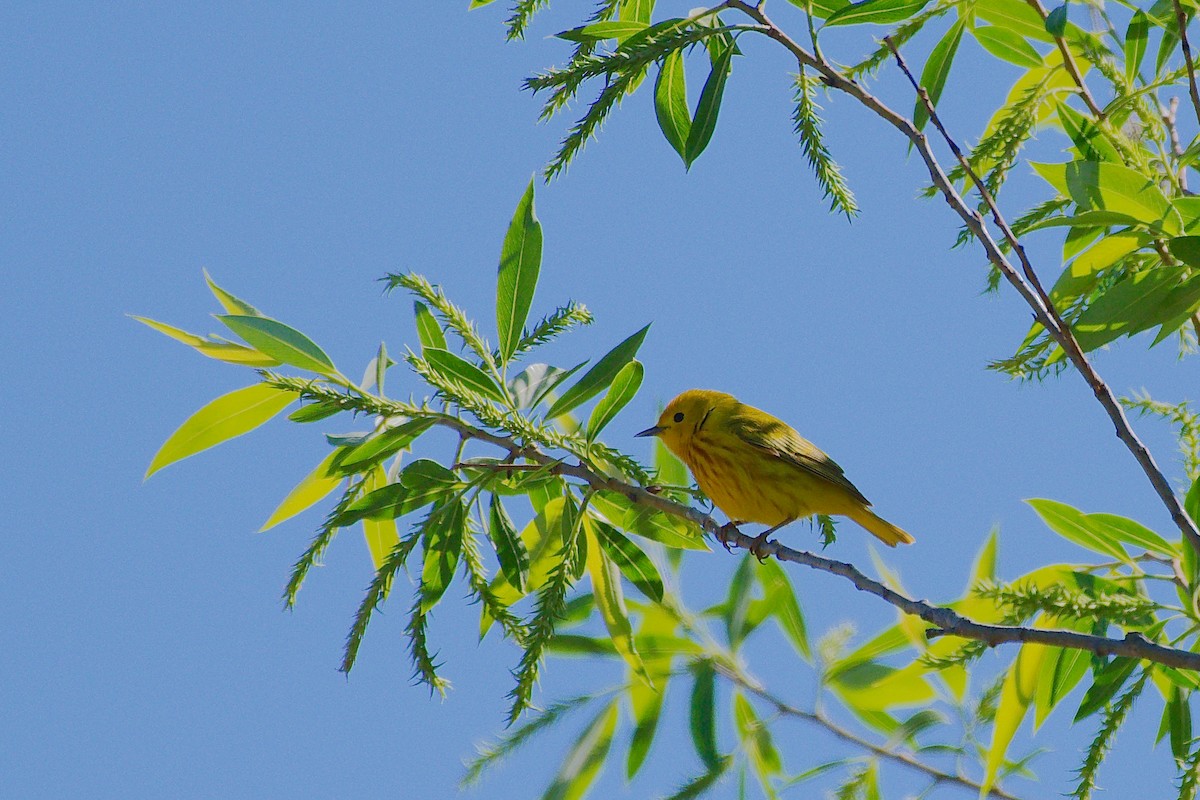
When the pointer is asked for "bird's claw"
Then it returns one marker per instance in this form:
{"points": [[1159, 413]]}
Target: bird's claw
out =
{"points": [[758, 548], [723, 533]]}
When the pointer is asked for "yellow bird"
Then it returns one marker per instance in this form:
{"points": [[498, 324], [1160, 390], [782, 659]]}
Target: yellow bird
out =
{"points": [[755, 468]]}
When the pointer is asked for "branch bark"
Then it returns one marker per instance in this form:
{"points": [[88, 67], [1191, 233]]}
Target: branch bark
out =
{"points": [[943, 621], [1029, 287]]}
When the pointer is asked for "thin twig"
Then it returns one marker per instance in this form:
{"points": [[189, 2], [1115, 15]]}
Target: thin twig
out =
{"points": [[1069, 62], [818, 718], [1060, 330], [1181, 21]]}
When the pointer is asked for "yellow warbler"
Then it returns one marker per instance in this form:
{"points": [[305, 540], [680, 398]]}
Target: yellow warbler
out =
{"points": [[755, 468]]}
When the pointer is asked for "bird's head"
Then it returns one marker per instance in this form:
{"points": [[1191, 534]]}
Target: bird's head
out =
{"points": [[687, 414]]}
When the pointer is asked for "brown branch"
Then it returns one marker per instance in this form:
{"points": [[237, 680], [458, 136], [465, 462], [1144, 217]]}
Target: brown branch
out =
{"points": [[1061, 331], [1069, 63], [1181, 21], [817, 718], [1029, 287], [944, 621]]}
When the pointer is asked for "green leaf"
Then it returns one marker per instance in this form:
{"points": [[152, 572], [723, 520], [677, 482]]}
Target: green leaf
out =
{"points": [[583, 763], [1112, 187], [421, 483], [1005, 44], [1056, 21], [875, 12], [736, 609], [443, 539], [1014, 15], [1016, 695], [780, 597], [1074, 526], [1136, 303], [520, 262], [598, 378], [228, 352], [646, 699], [937, 70], [1177, 715], [1062, 669], [1186, 249], [314, 488], [622, 389], [510, 549], [670, 102], [1089, 140], [280, 342], [871, 686], [381, 534], [429, 332], [655, 525], [599, 31], [1105, 685], [1136, 36], [610, 602], [229, 416], [457, 368], [314, 412], [707, 108], [1132, 532], [756, 738], [535, 383], [633, 563], [702, 714], [231, 304], [382, 446]]}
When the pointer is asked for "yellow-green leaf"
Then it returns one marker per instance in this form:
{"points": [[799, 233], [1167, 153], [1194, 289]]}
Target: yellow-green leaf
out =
{"points": [[315, 487], [610, 602], [228, 352], [227, 417], [231, 304], [381, 534], [280, 342], [1016, 695], [587, 756]]}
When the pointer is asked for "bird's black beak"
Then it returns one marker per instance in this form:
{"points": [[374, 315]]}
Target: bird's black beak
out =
{"points": [[655, 431]]}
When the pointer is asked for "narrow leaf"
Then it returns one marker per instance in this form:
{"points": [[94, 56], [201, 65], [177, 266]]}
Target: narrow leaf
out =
{"points": [[280, 342], [583, 762], [707, 108], [702, 715], [1012, 47], [457, 368], [520, 262], [510, 549], [429, 332], [598, 378], [610, 602], [314, 488], [228, 352], [877, 12], [443, 538], [229, 416], [937, 70], [622, 389], [633, 563], [670, 102], [1136, 36], [1074, 526], [231, 304]]}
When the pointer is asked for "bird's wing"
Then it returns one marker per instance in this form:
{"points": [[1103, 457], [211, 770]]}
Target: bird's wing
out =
{"points": [[779, 439]]}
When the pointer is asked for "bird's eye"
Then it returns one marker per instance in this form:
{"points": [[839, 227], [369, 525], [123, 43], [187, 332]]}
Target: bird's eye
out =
{"points": [[679, 417]]}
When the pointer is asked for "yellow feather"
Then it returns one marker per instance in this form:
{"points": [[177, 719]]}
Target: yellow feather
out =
{"points": [[756, 468]]}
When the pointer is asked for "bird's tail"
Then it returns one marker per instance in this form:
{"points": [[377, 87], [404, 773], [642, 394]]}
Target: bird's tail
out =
{"points": [[883, 530]]}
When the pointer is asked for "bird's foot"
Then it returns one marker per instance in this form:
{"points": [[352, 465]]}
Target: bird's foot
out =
{"points": [[758, 548], [724, 532]]}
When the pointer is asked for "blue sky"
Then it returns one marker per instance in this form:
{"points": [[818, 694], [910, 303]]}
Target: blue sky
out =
{"points": [[301, 151]]}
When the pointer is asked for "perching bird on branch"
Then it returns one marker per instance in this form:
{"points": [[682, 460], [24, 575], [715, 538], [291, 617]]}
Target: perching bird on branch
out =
{"points": [[756, 468]]}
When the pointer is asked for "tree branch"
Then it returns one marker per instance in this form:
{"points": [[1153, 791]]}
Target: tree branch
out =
{"points": [[1181, 21], [944, 621], [1069, 63], [817, 718], [1028, 287]]}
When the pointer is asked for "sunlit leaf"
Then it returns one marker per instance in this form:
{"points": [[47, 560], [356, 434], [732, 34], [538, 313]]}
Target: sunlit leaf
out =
{"points": [[1113, 187], [670, 102], [457, 368], [1073, 525], [1135, 44], [429, 332], [509, 547], [442, 542], [314, 488], [610, 602], [281, 342], [597, 379], [937, 70], [231, 304], [1016, 695], [229, 416], [1004, 43], [381, 534], [634, 564], [228, 352], [622, 389], [587, 756], [520, 262], [708, 107], [876, 12]]}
